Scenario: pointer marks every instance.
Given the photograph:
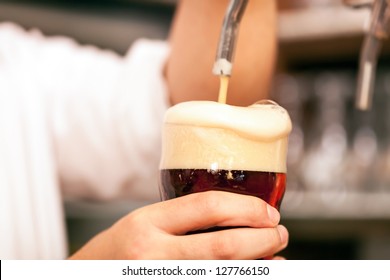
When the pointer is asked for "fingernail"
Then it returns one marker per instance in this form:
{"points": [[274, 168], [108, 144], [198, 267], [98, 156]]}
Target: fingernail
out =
{"points": [[283, 233], [273, 214]]}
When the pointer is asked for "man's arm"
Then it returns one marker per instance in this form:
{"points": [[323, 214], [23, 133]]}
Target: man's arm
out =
{"points": [[194, 39]]}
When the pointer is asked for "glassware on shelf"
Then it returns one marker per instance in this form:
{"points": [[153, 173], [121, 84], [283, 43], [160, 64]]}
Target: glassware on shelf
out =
{"points": [[381, 169]]}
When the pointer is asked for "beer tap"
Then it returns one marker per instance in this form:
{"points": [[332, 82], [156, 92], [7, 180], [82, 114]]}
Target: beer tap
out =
{"points": [[224, 59], [378, 31]]}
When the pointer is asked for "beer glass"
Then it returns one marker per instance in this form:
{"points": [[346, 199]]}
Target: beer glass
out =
{"points": [[214, 146]]}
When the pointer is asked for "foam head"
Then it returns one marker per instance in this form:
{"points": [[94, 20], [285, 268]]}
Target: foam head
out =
{"points": [[211, 135]]}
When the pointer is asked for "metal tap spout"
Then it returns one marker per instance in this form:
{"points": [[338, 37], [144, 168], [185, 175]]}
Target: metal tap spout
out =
{"points": [[378, 31], [224, 59]]}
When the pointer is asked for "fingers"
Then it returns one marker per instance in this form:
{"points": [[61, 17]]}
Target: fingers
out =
{"points": [[279, 258], [239, 243], [209, 209], [157, 231]]}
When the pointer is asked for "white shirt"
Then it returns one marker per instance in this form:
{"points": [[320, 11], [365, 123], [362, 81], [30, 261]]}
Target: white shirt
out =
{"points": [[75, 121]]}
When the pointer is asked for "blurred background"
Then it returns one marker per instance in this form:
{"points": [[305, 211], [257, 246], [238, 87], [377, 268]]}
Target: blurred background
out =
{"points": [[337, 205]]}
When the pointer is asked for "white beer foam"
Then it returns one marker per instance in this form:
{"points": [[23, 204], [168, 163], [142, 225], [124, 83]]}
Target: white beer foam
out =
{"points": [[211, 135]]}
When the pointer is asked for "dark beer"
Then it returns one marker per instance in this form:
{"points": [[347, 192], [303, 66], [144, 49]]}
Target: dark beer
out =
{"points": [[269, 186], [214, 146]]}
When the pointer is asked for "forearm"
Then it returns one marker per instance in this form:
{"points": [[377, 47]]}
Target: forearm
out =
{"points": [[194, 39]]}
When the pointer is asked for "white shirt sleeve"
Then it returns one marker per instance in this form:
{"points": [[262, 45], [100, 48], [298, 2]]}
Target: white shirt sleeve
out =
{"points": [[105, 112]]}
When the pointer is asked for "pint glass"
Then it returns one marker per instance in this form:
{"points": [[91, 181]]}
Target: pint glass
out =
{"points": [[213, 146]]}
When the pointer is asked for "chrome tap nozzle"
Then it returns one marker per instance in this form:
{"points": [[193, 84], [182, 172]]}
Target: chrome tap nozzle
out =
{"points": [[224, 59]]}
